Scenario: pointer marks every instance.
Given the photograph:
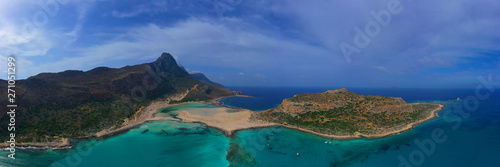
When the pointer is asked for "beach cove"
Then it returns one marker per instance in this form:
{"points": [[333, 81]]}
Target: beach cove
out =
{"points": [[214, 114], [164, 142]]}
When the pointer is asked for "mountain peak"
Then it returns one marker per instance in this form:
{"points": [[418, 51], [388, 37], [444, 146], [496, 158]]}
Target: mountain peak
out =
{"points": [[166, 58], [165, 55], [167, 64]]}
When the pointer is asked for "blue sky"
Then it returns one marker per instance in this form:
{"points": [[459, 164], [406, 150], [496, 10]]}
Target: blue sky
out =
{"points": [[263, 43]]}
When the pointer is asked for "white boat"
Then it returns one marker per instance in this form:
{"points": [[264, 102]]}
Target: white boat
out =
{"points": [[298, 154]]}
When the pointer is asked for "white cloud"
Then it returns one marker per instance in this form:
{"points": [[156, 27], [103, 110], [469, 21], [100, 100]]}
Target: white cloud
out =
{"points": [[14, 42], [446, 32], [22, 37], [241, 73], [82, 13], [309, 43], [432, 61], [149, 8], [3, 60], [128, 14], [200, 42], [380, 68]]}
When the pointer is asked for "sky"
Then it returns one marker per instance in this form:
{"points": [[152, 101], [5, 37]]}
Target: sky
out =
{"points": [[333, 43]]}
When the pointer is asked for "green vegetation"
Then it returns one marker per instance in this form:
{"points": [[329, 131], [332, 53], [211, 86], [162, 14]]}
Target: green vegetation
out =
{"points": [[72, 121], [204, 93], [76, 103], [345, 113]]}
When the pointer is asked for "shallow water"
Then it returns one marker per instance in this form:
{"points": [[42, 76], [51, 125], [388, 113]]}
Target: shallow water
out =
{"points": [[470, 141], [193, 108], [157, 143], [471, 137]]}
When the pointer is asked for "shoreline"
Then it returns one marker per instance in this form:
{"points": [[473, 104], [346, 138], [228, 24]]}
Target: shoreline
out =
{"points": [[407, 128], [230, 132], [148, 112], [62, 144], [228, 122], [217, 103], [140, 117], [145, 116]]}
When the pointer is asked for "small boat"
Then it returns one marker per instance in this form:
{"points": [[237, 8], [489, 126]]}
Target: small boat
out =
{"points": [[326, 142], [298, 154]]}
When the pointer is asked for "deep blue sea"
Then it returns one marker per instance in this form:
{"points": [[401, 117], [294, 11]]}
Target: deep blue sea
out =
{"points": [[466, 133]]}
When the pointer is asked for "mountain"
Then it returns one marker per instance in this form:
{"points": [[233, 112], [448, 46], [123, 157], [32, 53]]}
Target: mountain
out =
{"points": [[340, 112], [79, 103], [202, 78]]}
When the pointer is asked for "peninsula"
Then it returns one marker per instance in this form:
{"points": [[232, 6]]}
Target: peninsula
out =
{"points": [[342, 114], [76, 104], [338, 114], [106, 101]]}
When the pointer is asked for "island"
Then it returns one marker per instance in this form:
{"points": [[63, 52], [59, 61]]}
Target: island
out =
{"points": [[104, 101], [338, 114], [342, 114]]}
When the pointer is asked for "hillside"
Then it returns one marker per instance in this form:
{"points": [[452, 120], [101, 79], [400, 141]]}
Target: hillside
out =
{"points": [[202, 78], [77, 103], [343, 113]]}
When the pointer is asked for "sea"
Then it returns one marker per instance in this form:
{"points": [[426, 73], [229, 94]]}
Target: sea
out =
{"points": [[466, 134]]}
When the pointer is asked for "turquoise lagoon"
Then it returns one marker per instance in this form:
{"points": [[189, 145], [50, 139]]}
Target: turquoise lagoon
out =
{"points": [[472, 139]]}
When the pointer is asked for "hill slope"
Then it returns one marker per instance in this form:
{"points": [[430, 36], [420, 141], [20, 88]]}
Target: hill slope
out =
{"points": [[76, 103], [343, 113], [202, 78]]}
